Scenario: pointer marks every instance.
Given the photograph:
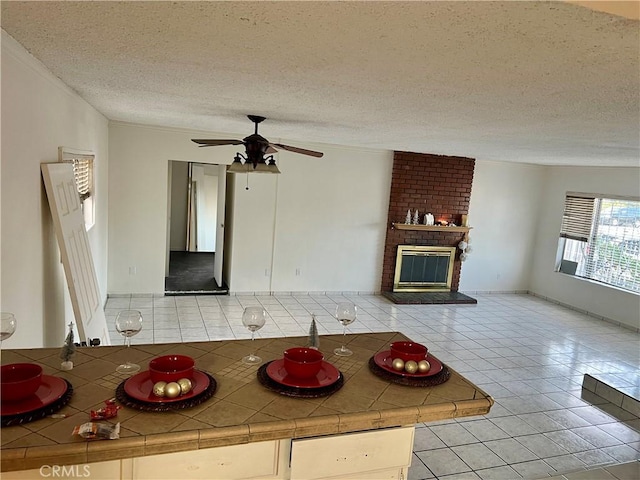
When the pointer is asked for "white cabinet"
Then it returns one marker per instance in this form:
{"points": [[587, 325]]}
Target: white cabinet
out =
{"points": [[264, 460], [95, 471], [376, 454], [373, 455]]}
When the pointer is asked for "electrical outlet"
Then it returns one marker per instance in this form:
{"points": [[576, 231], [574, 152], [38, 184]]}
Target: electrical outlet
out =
{"points": [[133, 270], [298, 272], [266, 272]]}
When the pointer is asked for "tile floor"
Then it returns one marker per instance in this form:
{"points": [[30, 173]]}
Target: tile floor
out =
{"points": [[529, 354]]}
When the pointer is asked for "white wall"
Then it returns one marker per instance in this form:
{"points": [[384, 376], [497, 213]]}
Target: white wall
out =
{"points": [[39, 114], [319, 226], [330, 222], [138, 182], [179, 205], [206, 181], [503, 211], [608, 302]]}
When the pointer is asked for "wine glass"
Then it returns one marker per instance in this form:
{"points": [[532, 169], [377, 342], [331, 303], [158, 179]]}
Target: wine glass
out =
{"points": [[8, 326], [346, 313], [253, 318], [128, 324]]}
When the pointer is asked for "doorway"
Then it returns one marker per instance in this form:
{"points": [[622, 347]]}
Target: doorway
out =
{"points": [[195, 229]]}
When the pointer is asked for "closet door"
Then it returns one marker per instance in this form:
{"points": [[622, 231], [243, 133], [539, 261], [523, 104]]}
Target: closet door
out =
{"points": [[75, 251]]}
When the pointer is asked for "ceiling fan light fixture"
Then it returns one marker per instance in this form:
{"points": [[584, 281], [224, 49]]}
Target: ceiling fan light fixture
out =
{"points": [[261, 168], [237, 166], [256, 147], [273, 168]]}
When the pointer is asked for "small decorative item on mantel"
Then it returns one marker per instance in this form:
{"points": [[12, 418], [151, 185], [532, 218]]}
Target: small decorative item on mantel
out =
{"points": [[428, 219], [68, 349], [416, 220], [407, 220], [314, 338]]}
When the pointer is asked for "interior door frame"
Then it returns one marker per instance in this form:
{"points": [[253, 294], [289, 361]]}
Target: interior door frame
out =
{"points": [[218, 267]]}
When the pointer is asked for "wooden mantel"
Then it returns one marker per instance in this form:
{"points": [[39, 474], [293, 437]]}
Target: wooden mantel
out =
{"points": [[431, 228]]}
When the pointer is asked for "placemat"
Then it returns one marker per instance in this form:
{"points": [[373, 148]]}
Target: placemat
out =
{"points": [[274, 386], [431, 381], [45, 411], [131, 402]]}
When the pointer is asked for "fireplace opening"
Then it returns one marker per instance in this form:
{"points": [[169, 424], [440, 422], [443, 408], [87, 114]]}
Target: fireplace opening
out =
{"points": [[423, 268]]}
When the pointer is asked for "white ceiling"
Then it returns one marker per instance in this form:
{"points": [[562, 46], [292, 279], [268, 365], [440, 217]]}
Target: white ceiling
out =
{"points": [[537, 82]]}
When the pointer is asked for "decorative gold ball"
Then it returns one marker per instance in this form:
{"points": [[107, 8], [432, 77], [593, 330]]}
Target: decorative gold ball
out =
{"points": [[185, 385], [411, 366], [158, 389], [423, 366], [171, 390], [398, 364]]}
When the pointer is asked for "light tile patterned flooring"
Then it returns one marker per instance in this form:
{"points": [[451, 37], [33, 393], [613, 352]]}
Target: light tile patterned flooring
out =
{"points": [[529, 354]]}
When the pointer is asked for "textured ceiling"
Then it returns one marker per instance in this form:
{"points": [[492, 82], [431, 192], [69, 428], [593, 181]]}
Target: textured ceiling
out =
{"points": [[537, 82]]}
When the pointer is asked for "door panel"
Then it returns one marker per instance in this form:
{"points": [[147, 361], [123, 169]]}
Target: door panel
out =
{"points": [[75, 251], [222, 193]]}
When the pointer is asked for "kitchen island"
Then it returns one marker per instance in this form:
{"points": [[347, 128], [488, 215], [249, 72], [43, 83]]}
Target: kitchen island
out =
{"points": [[363, 430]]}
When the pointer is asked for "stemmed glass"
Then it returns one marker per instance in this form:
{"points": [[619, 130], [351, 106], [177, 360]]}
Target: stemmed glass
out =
{"points": [[346, 314], [128, 324], [253, 318], [8, 326]]}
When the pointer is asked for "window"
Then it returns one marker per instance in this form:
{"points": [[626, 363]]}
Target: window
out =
{"points": [[600, 240], [83, 172]]}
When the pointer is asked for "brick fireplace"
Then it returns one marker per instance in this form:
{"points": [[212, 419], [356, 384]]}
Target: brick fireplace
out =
{"points": [[436, 184]]}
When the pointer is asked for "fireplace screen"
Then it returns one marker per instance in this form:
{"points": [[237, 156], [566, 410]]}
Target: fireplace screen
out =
{"points": [[423, 268]]}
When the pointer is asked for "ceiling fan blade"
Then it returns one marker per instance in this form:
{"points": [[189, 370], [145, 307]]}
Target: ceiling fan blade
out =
{"points": [[303, 151], [211, 143]]}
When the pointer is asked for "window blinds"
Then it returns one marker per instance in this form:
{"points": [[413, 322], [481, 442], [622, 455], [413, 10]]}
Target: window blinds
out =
{"points": [[83, 173], [577, 219]]}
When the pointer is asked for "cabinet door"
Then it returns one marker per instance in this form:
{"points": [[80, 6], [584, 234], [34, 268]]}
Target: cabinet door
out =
{"points": [[390, 474], [95, 471], [250, 460], [385, 450]]}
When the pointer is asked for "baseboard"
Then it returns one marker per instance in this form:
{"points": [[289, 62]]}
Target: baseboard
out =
{"points": [[585, 312], [304, 293]]}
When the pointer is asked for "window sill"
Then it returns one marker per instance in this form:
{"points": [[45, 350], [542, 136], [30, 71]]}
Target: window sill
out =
{"points": [[599, 284]]}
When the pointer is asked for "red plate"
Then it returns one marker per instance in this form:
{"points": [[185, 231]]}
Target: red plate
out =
{"points": [[140, 387], [50, 390], [384, 360], [327, 375]]}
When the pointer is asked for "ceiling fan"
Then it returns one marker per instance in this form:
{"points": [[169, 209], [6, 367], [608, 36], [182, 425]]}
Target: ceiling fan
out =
{"points": [[256, 147]]}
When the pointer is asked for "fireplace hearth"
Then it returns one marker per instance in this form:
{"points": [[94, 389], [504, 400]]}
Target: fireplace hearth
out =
{"points": [[429, 298]]}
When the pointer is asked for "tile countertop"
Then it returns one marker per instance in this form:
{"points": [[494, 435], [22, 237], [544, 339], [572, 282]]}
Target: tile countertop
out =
{"points": [[241, 411]]}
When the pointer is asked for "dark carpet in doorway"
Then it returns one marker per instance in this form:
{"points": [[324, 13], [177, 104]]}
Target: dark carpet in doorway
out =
{"points": [[191, 273]]}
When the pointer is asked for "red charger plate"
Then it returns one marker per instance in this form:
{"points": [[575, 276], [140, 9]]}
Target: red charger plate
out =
{"points": [[384, 360], [140, 387], [327, 375], [51, 389]]}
